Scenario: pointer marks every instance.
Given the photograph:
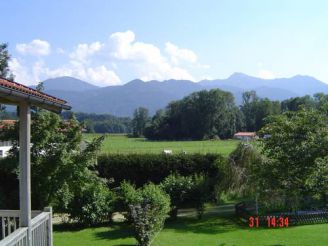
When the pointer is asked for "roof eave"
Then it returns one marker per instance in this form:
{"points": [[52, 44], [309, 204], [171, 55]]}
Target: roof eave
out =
{"points": [[10, 96]]}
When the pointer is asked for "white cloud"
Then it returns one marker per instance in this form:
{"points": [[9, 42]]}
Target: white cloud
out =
{"points": [[37, 48], [101, 62], [60, 51], [205, 66], [20, 71], [101, 75], [265, 74], [177, 55], [205, 77], [83, 51], [146, 58]]}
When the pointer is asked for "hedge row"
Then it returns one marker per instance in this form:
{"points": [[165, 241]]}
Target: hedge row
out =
{"points": [[140, 169]]}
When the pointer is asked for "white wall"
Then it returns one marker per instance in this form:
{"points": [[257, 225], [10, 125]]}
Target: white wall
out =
{"points": [[4, 150]]}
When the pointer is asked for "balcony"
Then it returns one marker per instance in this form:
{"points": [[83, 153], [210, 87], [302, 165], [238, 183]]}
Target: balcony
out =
{"points": [[13, 235], [25, 227]]}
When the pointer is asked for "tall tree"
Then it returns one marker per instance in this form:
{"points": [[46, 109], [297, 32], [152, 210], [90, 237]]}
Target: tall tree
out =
{"points": [[57, 160], [4, 62], [201, 115], [4, 69], [256, 109], [294, 104], [139, 121], [296, 148]]}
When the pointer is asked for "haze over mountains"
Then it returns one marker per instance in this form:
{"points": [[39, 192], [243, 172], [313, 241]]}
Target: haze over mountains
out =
{"points": [[122, 100]]}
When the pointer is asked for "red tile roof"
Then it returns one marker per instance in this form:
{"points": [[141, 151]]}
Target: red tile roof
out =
{"points": [[27, 90], [7, 123], [245, 134]]}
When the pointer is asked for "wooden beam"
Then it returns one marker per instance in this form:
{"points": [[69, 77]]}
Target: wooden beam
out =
{"points": [[25, 167]]}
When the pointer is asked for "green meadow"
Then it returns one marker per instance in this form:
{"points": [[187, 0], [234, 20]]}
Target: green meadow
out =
{"points": [[218, 227], [116, 143]]}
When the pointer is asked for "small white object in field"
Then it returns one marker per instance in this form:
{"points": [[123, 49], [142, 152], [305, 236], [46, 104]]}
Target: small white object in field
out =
{"points": [[167, 151]]}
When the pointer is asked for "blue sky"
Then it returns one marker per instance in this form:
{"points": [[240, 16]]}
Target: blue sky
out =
{"points": [[112, 42]]}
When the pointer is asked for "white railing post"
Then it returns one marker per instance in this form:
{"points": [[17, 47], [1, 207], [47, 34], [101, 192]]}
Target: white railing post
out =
{"points": [[49, 225]]}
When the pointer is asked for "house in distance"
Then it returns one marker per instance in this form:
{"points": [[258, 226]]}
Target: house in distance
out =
{"points": [[245, 136]]}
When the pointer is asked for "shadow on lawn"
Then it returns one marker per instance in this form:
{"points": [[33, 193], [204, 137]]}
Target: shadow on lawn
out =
{"points": [[209, 224], [74, 227], [214, 222], [116, 231]]}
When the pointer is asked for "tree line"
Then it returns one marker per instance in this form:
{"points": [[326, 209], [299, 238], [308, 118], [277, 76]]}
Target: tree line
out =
{"points": [[101, 123], [214, 114]]}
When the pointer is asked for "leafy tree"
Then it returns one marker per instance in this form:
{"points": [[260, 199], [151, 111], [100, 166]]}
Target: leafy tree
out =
{"points": [[4, 68], [156, 127], [4, 60], [57, 161], [139, 121], [255, 110], [249, 100], [101, 123], [201, 115], [239, 173], [297, 140], [320, 99], [318, 179], [295, 103]]}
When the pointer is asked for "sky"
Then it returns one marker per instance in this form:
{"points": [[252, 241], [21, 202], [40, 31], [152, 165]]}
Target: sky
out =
{"points": [[108, 42]]}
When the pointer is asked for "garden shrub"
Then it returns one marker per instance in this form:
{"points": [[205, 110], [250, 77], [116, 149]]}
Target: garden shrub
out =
{"points": [[199, 194], [126, 195], [148, 207], [179, 189], [92, 205], [190, 191]]}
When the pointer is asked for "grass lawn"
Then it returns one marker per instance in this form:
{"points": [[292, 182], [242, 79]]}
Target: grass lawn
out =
{"points": [[216, 228], [123, 144]]}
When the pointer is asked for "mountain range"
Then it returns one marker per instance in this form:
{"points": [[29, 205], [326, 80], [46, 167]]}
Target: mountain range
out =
{"points": [[122, 100]]}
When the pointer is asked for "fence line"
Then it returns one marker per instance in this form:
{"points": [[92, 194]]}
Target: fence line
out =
{"points": [[245, 211]]}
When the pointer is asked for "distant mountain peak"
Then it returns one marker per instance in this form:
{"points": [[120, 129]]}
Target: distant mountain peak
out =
{"points": [[301, 76], [66, 83], [135, 81], [238, 75]]}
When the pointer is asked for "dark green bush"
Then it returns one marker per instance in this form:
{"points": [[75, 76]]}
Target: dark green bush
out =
{"points": [[179, 189], [148, 207], [92, 205], [199, 194], [126, 194], [191, 191], [140, 169]]}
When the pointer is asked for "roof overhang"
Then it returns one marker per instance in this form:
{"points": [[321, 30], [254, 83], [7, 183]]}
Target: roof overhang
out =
{"points": [[39, 99]]}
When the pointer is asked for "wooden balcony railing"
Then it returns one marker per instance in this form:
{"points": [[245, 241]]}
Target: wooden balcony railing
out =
{"points": [[13, 235]]}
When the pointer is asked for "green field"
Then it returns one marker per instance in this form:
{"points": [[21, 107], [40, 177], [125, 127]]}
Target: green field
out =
{"points": [[124, 145], [217, 227]]}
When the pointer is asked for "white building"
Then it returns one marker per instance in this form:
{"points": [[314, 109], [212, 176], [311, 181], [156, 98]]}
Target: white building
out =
{"points": [[5, 146]]}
